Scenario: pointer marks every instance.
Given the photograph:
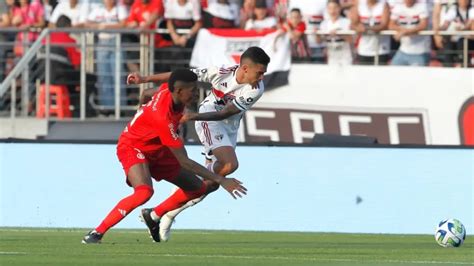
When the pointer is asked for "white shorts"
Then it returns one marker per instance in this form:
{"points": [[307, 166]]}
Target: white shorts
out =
{"points": [[215, 134]]}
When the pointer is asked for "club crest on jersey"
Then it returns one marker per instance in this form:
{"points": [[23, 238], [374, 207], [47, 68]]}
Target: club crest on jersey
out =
{"points": [[140, 155], [219, 137], [173, 132]]}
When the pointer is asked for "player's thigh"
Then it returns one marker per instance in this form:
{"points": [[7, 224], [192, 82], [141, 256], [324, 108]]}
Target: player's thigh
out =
{"points": [[135, 165], [187, 181], [139, 174]]}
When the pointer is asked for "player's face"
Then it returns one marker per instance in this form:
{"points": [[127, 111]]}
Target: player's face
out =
{"points": [[187, 92], [255, 72]]}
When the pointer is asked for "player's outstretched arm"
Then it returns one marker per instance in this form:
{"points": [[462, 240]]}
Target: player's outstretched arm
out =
{"points": [[135, 78], [229, 110], [147, 95], [232, 185]]}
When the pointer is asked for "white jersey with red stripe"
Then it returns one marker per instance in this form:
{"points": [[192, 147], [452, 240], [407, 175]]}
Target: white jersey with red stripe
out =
{"points": [[225, 89], [410, 17], [369, 17]]}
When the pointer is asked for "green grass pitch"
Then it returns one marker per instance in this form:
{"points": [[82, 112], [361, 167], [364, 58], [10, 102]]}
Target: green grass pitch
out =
{"points": [[22, 246]]}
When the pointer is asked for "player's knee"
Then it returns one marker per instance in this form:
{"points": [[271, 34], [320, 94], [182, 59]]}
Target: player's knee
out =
{"points": [[143, 193]]}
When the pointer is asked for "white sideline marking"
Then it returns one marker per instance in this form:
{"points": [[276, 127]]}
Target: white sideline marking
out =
{"points": [[297, 258], [12, 253]]}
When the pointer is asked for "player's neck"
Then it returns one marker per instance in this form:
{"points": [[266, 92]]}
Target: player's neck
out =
{"points": [[239, 76], [177, 105]]}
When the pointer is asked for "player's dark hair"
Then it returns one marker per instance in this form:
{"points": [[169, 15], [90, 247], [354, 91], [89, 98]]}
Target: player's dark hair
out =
{"points": [[182, 74], [256, 55], [335, 2]]}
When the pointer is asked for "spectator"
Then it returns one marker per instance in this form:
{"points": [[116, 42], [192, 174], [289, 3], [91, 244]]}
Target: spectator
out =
{"points": [[27, 15], [65, 60], [460, 19], [313, 15], [338, 47], [49, 6], [280, 9], [108, 16], [145, 15], [5, 18], [246, 12], [346, 6], [407, 20], [440, 22], [127, 5], [295, 28], [368, 17], [221, 14], [183, 14], [69, 8], [261, 19]]}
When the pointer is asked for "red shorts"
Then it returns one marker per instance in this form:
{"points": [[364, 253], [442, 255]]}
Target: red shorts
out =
{"points": [[162, 163]]}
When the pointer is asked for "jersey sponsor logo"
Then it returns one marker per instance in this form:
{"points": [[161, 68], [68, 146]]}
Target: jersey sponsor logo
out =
{"points": [[224, 84], [173, 132]]}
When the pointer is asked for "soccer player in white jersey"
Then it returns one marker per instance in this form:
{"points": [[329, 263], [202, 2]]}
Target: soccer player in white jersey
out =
{"points": [[235, 90]]}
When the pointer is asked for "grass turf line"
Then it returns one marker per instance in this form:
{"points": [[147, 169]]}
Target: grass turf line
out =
{"points": [[134, 247]]}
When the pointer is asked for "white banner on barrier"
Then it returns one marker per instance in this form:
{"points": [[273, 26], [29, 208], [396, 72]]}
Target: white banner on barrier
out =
{"points": [[216, 47], [398, 105]]}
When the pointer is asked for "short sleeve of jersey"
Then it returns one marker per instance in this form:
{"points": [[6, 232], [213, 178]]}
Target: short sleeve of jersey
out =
{"points": [[206, 74], [248, 97], [423, 9]]}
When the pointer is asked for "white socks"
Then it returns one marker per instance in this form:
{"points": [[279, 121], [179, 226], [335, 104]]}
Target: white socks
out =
{"points": [[155, 217]]}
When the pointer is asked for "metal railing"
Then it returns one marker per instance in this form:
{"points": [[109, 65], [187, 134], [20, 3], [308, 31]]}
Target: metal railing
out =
{"points": [[465, 34], [87, 46], [146, 49]]}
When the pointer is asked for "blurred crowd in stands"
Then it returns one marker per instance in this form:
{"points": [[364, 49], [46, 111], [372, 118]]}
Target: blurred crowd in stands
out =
{"points": [[310, 24]]}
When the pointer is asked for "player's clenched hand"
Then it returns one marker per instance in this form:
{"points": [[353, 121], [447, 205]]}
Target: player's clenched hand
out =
{"points": [[134, 78], [234, 187]]}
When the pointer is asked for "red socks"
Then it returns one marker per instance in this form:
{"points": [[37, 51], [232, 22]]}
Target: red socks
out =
{"points": [[178, 199], [141, 195]]}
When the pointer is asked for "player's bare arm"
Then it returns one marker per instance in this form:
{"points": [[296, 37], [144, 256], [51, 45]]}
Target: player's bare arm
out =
{"points": [[147, 95], [232, 185], [229, 110], [135, 78]]}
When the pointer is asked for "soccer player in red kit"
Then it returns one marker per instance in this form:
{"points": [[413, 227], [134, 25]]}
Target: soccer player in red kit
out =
{"points": [[150, 147]]}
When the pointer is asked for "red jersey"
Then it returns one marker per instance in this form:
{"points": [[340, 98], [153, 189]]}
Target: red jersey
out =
{"points": [[155, 125], [72, 52], [140, 12], [301, 27]]}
